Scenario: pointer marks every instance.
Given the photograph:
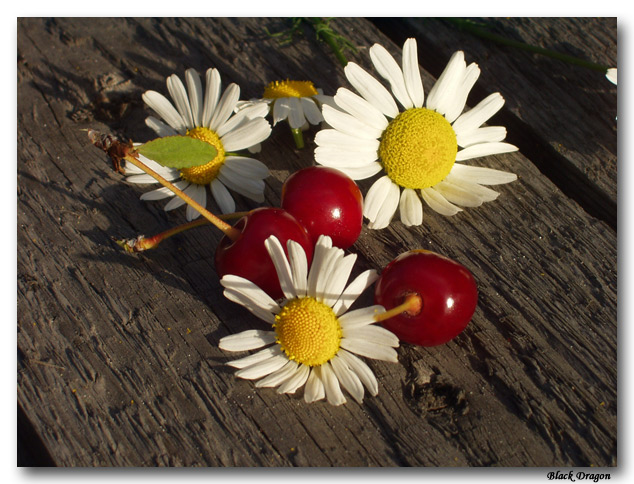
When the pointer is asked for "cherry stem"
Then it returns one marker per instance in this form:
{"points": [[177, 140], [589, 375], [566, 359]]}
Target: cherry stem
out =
{"points": [[143, 243], [223, 226], [298, 138], [413, 304]]}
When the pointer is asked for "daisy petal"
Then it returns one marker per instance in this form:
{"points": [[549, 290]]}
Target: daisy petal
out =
{"points": [[295, 381], [299, 267], [387, 209], [250, 133], [256, 295], [362, 371], [199, 195], [247, 340], [411, 73], [334, 157], [177, 90], [225, 107], [281, 109], [159, 127], [444, 91], [457, 103], [484, 149], [251, 188], [311, 111], [375, 197], [222, 196], [360, 109], [369, 349], [320, 259], [487, 134], [338, 279], [163, 192], [348, 379], [296, 117], [372, 334], [389, 69], [485, 194], [438, 203], [165, 110], [480, 114], [354, 290], [195, 92], [261, 355], [248, 166], [362, 172], [175, 202], [262, 368], [482, 175], [411, 208], [371, 89], [360, 317], [331, 385], [348, 124], [212, 94], [239, 298], [278, 376], [314, 387], [282, 267], [336, 139]]}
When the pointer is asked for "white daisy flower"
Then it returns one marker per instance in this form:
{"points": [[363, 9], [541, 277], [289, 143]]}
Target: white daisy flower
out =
{"points": [[313, 340], [299, 102], [611, 75], [416, 148], [209, 117]]}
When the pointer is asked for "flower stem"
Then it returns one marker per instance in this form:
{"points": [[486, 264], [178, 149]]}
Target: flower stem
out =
{"points": [[412, 305], [326, 34], [298, 137], [478, 30]]}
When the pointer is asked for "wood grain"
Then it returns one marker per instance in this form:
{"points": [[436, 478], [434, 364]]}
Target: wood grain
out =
{"points": [[118, 363]]}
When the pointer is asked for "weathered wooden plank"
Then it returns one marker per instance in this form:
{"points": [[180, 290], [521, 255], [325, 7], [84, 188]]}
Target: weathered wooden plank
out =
{"points": [[118, 360], [562, 115]]}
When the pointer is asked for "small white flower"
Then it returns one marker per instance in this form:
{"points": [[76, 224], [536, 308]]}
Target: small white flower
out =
{"points": [[209, 117], [313, 340], [416, 148], [611, 75], [299, 102]]}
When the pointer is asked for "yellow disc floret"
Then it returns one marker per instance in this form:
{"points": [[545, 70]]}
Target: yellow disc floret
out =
{"points": [[204, 174], [418, 148], [287, 88], [308, 331]]}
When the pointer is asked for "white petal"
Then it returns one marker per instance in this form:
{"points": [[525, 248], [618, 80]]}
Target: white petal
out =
{"points": [[372, 334], [282, 267], [247, 340], [362, 172], [371, 89], [159, 127], [348, 124], [242, 300], [253, 132], [195, 92], [360, 317], [311, 111], [480, 114], [225, 106], [314, 387], [212, 94], [296, 117], [457, 103], [320, 259], [411, 208], [323, 290], [251, 188], [332, 138], [369, 349], [250, 167], [438, 203], [175, 202], [387, 209], [338, 279], [334, 157], [411, 73], [295, 381], [389, 69], [362, 370], [281, 109], [165, 110], [142, 179], [360, 109], [299, 267], [457, 194], [482, 175], [444, 91], [484, 149], [354, 290], [222, 196], [261, 355], [375, 197], [331, 385], [611, 75], [485, 194], [253, 293], [262, 368], [179, 95], [487, 134], [348, 379], [163, 192], [199, 195], [278, 376]]}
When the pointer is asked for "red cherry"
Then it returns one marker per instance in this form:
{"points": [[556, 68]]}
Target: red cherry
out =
{"points": [[246, 256], [442, 294], [325, 201]]}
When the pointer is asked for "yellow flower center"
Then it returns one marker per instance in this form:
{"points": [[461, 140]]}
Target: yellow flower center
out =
{"points": [[287, 88], [418, 148], [204, 174], [308, 331]]}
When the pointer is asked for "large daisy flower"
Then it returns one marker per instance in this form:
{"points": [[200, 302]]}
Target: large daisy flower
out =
{"points": [[417, 148], [313, 340], [209, 117]]}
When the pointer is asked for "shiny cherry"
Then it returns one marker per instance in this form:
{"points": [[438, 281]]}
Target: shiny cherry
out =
{"points": [[436, 295], [246, 254], [325, 201]]}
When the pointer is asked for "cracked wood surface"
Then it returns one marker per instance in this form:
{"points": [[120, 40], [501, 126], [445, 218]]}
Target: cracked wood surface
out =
{"points": [[118, 363]]}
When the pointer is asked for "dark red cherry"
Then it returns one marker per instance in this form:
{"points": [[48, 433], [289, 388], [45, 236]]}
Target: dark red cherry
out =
{"points": [[246, 256], [325, 201], [443, 294]]}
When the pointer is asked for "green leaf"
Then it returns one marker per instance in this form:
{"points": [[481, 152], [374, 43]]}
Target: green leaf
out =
{"points": [[178, 151]]}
